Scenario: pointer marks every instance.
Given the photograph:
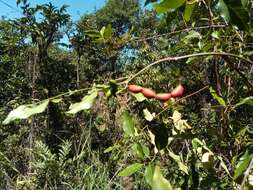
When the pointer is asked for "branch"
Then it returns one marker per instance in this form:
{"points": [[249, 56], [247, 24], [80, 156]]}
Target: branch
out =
{"points": [[177, 31], [238, 71], [186, 57]]}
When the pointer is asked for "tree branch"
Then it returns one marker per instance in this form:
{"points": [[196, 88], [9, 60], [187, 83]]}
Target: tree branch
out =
{"points": [[177, 31], [186, 57]]}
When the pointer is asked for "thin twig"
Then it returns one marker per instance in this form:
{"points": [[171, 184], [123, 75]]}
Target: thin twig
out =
{"points": [[238, 71], [188, 96], [177, 31], [246, 174], [185, 57]]}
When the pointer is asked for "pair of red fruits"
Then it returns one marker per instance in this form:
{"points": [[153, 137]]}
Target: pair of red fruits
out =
{"points": [[149, 93]]}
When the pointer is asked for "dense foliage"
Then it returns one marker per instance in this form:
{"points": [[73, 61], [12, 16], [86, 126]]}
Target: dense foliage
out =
{"points": [[70, 120]]}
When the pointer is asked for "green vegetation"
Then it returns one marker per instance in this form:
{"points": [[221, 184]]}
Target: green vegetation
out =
{"points": [[154, 98]]}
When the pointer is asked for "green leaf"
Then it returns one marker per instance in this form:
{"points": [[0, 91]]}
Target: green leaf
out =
{"points": [[188, 10], [137, 148], [197, 143], [180, 124], [248, 53], [168, 5], [92, 33], [215, 34], [177, 159], [148, 116], [56, 101], [159, 182], [113, 87], [248, 101], [223, 165], [223, 9], [130, 169], [102, 31], [192, 35], [207, 160], [85, 104], [217, 97], [149, 173], [145, 150], [111, 148], [108, 31], [139, 97], [25, 111], [128, 124], [242, 165], [245, 3], [235, 12]]}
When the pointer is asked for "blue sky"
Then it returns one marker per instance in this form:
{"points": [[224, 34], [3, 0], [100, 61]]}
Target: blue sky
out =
{"points": [[76, 7]]}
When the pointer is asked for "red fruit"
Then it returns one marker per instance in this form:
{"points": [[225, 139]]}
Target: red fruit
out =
{"points": [[178, 91], [163, 96], [148, 93], [134, 88]]}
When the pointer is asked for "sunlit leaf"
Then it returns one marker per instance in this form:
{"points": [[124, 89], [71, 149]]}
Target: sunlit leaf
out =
{"points": [[145, 150], [139, 97], [224, 12], [248, 53], [128, 124], [159, 182], [250, 180], [137, 148], [111, 148], [113, 88], [248, 101], [223, 165], [207, 160], [189, 7], [108, 32], [152, 140], [242, 165], [92, 33], [192, 35], [25, 111], [178, 160], [149, 173], [130, 169], [245, 3], [168, 5], [85, 104], [217, 97], [102, 31], [215, 34], [197, 143], [56, 101], [148, 116], [235, 12], [180, 124]]}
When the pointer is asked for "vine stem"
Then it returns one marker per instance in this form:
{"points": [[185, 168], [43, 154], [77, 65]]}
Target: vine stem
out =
{"points": [[246, 174], [63, 94], [185, 57]]}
